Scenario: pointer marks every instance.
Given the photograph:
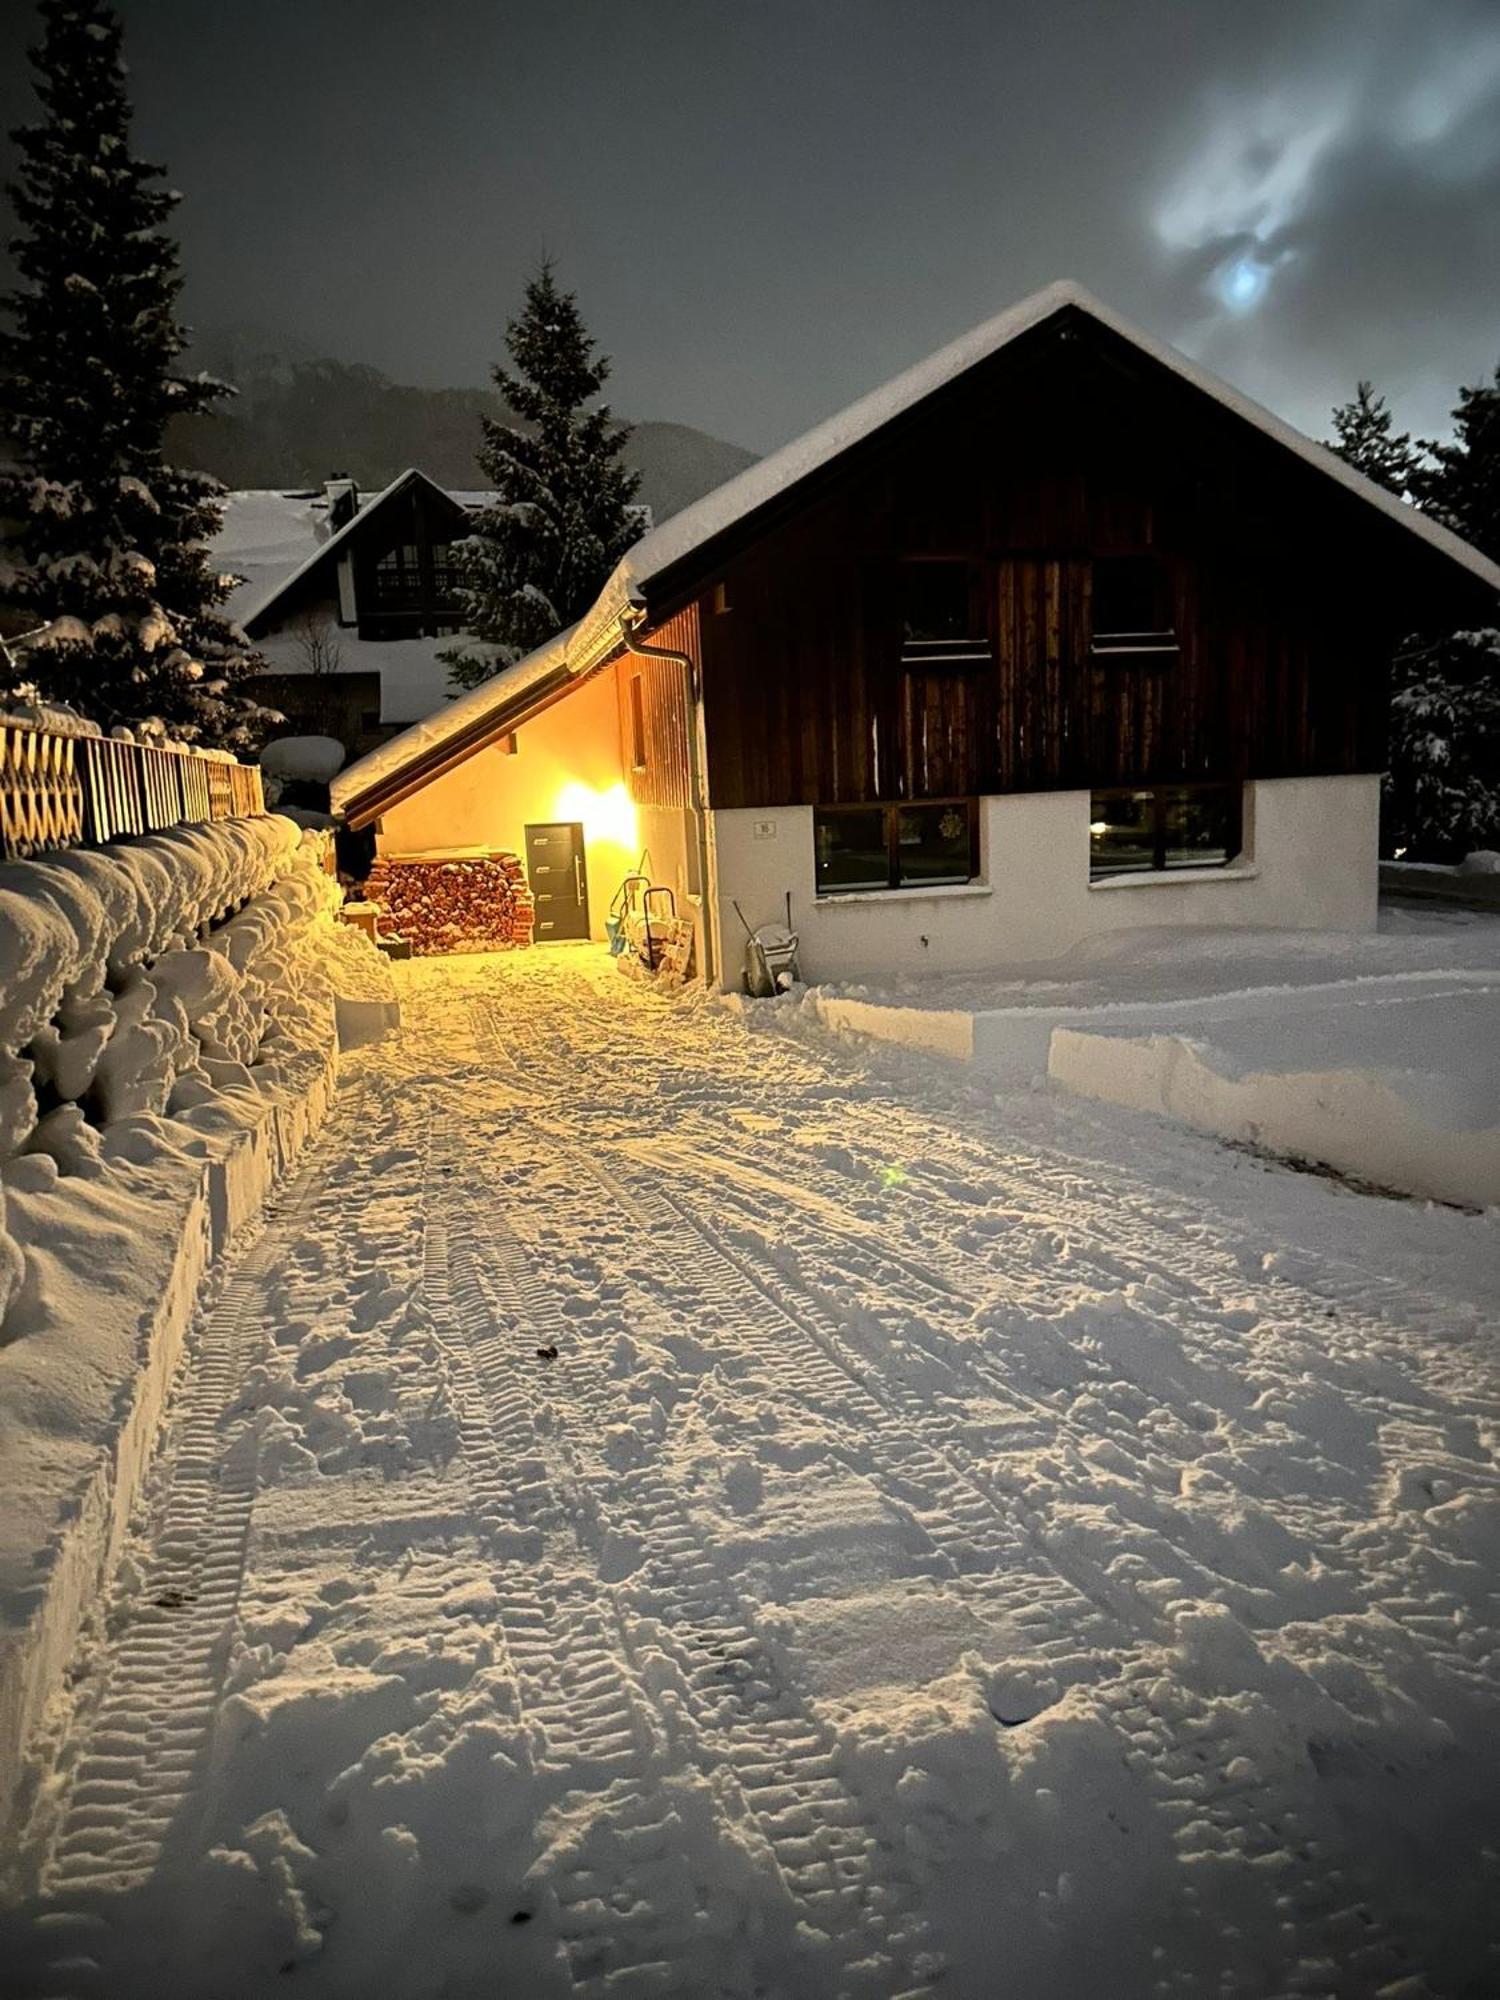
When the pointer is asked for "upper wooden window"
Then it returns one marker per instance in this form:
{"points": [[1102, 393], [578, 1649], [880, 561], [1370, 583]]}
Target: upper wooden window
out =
{"points": [[1132, 606], [942, 616], [398, 576]]}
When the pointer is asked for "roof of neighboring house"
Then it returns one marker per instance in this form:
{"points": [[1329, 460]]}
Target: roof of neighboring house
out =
{"points": [[256, 611], [691, 532]]}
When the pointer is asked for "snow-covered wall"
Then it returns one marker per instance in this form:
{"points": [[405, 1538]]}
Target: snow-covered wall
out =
{"points": [[1310, 863], [169, 1017]]}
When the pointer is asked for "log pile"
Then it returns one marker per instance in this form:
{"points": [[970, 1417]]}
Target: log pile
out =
{"points": [[479, 903]]}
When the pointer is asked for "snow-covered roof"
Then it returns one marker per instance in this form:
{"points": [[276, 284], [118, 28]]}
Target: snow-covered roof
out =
{"points": [[264, 537], [257, 610], [499, 703], [596, 635]]}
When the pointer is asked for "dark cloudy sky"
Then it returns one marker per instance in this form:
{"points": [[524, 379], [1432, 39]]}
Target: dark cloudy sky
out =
{"points": [[768, 206]]}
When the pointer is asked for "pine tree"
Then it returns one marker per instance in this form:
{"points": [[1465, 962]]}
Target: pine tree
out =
{"points": [[1364, 439], [1461, 485], [108, 554], [561, 517]]}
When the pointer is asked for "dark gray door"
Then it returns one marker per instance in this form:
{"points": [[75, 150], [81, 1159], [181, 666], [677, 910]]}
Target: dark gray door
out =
{"points": [[559, 883]]}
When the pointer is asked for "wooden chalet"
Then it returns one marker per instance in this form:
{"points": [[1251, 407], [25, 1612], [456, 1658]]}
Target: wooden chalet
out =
{"points": [[1054, 635]]}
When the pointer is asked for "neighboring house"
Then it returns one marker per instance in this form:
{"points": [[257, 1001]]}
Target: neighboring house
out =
{"points": [[1055, 635], [350, 600]]}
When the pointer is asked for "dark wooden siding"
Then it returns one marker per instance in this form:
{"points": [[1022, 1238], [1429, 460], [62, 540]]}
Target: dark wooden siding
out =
{"points": [[1288, 595], [664, 778]]}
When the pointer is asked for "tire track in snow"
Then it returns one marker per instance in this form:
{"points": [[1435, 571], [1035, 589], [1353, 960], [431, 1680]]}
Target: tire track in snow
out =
{"points": [[563, 1639], [1337, 1944], [163, 1673], [864, 1930]]}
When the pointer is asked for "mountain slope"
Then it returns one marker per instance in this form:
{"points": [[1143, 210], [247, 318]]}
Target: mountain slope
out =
{"points": [[298, 418]]}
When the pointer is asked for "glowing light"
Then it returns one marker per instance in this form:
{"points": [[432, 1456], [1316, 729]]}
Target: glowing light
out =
{"points": [[1098, 826], [892, 1177], [1242, 283], [608, 816]]}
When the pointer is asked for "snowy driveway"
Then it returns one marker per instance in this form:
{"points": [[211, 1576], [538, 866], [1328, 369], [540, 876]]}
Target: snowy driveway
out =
{"points": [[679, 1505]]}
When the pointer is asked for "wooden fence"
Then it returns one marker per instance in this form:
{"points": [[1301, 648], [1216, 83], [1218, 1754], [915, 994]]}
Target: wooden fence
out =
{"points": [[78, 791]]}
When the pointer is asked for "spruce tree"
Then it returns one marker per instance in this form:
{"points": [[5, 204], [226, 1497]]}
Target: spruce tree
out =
{"points": [[108, 550], [561, 516], [1363, 437], [1461, 485]]}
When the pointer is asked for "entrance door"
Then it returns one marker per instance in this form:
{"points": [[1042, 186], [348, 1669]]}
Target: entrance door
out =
{"points": [[559, 882]]}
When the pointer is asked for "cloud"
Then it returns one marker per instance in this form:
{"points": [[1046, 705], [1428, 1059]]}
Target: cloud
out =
{"points": [[1339, 215]]}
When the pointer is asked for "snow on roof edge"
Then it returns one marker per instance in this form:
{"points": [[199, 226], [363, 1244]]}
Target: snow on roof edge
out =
{"points": [[387, 760]]}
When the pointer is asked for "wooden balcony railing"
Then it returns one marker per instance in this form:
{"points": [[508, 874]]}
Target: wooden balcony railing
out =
{"points": [[79, 791]]}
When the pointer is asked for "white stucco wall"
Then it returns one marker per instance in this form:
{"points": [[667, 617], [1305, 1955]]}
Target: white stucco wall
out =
{"points": [[1310, 863], [567, 766]]}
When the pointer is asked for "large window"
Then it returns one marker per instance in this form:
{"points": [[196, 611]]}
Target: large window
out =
{"points": [[1132, 607], [1163, 826], [928, 845], [398, 576], [942, 615]]}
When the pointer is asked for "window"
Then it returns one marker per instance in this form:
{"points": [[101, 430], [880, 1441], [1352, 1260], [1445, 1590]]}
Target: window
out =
{"points": [[1132, 606], [941, 615], [637, 725], [444, 576], [926, 845], [1163, 826], [398, 576]]}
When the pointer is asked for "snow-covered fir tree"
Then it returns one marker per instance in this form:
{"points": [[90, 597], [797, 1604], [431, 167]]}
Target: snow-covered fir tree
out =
{"points": [[561, 517], [108, 549], [1460, 484], [1365, 438], [1441, 795]]}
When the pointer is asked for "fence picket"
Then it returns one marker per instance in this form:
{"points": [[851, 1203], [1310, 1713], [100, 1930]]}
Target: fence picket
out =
{"points": [[72, 791]]}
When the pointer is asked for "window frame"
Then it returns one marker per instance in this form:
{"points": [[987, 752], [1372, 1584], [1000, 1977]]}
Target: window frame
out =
{"points": [[1229, 788], [964, 653], [1161, 644], [891, 810]]}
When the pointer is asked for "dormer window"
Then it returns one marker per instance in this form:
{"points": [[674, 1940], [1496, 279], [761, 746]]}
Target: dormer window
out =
{"points": [[1132, 608], [942, 615]]}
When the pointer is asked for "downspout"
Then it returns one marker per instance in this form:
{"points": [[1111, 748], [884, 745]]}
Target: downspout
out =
{"points": [[630, 618]]}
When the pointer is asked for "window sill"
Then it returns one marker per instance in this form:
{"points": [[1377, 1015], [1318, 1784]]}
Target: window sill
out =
{"points": [[946, 892], [1176, 878]]}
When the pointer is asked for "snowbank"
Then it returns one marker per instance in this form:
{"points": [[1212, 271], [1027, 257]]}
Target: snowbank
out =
{"points": [[169, 1023], [1402, 1090]]}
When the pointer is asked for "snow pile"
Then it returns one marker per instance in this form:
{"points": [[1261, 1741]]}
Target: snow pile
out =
{"points": [[169, 1018], [1400, 1090]]}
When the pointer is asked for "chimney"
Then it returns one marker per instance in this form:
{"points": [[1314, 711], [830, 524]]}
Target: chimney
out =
{"points": [[342, 495]]}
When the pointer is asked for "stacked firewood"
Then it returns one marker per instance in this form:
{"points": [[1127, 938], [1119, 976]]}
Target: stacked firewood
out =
{"points": [[474, 904]]}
